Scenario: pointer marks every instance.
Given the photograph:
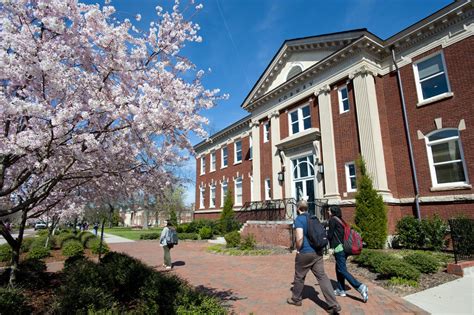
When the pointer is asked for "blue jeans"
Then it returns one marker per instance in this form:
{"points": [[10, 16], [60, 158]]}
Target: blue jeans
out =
{"points": [[342, 274]]}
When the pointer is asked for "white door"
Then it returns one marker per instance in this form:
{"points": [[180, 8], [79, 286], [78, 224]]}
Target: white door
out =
{"points": [[304, 180]]}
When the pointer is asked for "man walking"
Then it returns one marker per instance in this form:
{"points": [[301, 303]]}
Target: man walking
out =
{"points": [[307, 258]]}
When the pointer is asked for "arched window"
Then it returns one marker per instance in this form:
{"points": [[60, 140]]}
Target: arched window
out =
{"points": [[446, 158], [293, 72]]}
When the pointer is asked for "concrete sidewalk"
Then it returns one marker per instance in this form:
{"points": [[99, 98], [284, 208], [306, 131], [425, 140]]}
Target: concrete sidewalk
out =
{"points": [[455, 297], [26, 233], [113, 239]]}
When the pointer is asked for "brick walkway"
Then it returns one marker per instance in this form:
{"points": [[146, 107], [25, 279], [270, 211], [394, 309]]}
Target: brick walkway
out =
{"points": [[259, 285]]}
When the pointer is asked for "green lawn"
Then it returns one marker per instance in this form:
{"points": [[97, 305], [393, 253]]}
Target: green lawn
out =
{"points": [[129, 233]]}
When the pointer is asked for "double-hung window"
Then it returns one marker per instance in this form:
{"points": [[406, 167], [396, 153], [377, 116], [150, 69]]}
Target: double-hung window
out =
{"points": [[238, 151], [212, 199], [202, 191], [300, 119], [431, 77], [223, 192], [268, 189], [343, 95], [238, 191], [266, 131], [446, 159], [351, 177], [203, 165], [213, 161], [224, 157]]}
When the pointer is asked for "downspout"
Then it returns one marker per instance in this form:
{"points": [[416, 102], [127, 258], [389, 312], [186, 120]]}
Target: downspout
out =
{"points": [[407, 130]]}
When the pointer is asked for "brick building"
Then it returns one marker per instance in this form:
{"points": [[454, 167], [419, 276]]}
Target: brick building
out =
{"points": [[327, 99]]}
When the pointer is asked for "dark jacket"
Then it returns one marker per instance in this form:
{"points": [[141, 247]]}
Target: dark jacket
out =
{"points": [[335, 233]]}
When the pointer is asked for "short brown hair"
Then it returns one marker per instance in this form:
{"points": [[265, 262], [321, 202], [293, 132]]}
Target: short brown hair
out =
{"points": [[303, 205]]}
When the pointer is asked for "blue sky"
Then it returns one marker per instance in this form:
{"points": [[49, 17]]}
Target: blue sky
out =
{"points": [[240, 37]]}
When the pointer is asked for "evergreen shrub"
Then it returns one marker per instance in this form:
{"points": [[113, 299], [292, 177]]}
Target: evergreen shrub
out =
{"points": [[248, 242], [232, 239], [425, 263], [188, 236], [73, 248], [94, 245], [5, 252], [205, 233], [398, 268], [425, 234], [38, 252], [26, 244], [371, 213], [150, 236], [13, 302]]}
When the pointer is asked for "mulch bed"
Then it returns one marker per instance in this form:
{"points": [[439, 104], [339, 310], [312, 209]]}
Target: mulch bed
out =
{"points": [[426, 280]]}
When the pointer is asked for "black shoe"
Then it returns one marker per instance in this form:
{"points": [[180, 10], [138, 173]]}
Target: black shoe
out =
{"points": [[334, 310], [293, 302]]}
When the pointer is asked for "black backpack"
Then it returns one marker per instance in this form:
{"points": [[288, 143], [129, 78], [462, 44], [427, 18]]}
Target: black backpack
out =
{"points": [[316, 233], [171, 237]]}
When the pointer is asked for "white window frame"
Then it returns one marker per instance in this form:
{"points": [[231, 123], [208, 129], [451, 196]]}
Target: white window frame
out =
{"points": [[419, 90], [212, 199], [250, 148], [341, 99], [223, 193], [236, 192], [203, 165], [349, 176], [434, 179], [268, 189], [300, 119], [224, 165], [202, 191], [213, 161], [266, 132], [235, 152], [251, 189]]}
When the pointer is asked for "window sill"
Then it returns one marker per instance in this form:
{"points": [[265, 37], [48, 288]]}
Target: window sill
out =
{"points": [[236, 163], [223, 167], [212, 171], [453, 187], [435, 99]]}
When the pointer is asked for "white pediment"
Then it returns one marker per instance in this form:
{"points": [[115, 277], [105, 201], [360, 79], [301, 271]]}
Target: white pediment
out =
{"points": [[303, 59]]}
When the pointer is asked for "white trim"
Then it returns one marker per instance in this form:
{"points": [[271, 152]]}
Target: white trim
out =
{"points": [[434, 180], [202, 192], [266, 131], [348, 176], [341, 100], [222, 157], [213, 165], [235, 152], [435, 99], [421, 100], [211, 204], [250, 148], [203, 165], [268, 189], [238, 180], [299, 119]]}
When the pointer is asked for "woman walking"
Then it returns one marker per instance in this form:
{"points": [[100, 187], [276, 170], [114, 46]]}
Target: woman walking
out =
{"points": [[336, 237]]}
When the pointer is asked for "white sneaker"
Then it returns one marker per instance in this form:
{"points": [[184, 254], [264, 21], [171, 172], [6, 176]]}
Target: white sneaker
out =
{"points": [[364, 291], [168, 267], [338, 292]]}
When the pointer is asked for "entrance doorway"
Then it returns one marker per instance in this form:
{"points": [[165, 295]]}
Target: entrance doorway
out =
{"points": [[304, 180]]}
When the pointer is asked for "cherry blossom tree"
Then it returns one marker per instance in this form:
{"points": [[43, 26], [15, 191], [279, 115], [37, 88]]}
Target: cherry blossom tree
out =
{"points": [[89, 103]]}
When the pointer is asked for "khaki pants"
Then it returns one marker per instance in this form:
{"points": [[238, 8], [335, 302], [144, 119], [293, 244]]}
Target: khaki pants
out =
{"points": [[167, 257], [315, 263]]}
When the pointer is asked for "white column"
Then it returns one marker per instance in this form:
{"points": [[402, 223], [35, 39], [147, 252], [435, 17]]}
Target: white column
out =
{"points": [[276, 162], [327, 141], [368, 123], [256, 160]]}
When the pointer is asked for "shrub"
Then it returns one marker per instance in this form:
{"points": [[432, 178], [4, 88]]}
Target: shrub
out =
{"points": [[32, 273], [371, 213], [194, 302], [38, 252], [425, 263], [26, 244], [64, 238], [205, 232], [232, 239], [150, 236], [42, 233], [40, 242], [83, 288], [5, 252], [434, 230], [84, 237], [13, 302], [402, 281], [196, 225], [73, 248], [227, 219], [373, 259], [398, 268], [182, 228], [188, 236], [124, 274], [424, 234], [248, 242], [159, 294], [94, 245], [462, 233]]}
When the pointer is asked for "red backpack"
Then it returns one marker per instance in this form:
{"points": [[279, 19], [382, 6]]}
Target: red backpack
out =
{"points": [[352, 243]]}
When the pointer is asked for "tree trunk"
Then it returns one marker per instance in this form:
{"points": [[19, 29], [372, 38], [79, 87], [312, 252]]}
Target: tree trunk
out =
{"points": [[145, 213]]}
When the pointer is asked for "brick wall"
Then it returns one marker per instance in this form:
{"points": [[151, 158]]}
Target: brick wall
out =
{"points": [[265, 159], [269, 233]]}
